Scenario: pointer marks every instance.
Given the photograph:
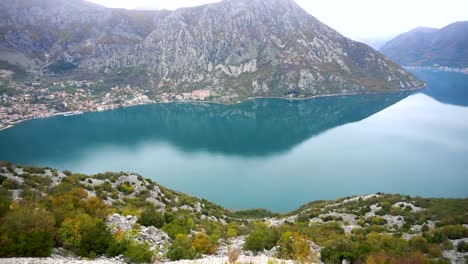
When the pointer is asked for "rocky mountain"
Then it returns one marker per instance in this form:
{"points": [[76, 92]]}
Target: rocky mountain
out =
{"points": [[447, 46], [236, 48]]}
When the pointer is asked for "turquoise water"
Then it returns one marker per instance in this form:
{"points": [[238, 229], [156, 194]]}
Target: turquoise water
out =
{"points": [[270, 153]]}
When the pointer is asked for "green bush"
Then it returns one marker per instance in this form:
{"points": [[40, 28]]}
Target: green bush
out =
{"points": [[151, 217], [2, 179], [10, 184], [419, 244], [375, 220], [178, 224], [126, 188], [253, 214], [462, 247], [20, 244], [95, 240], [261, 238], [5, 201], [117, 247], [85, 235], [138, 253], [27, 230], [173, 229], [454, 231], [329, 218], [181, 248], [335, 251]]}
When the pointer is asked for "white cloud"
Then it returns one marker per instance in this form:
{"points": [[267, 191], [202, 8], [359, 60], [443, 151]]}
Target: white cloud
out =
{"points": [[357, 19]]}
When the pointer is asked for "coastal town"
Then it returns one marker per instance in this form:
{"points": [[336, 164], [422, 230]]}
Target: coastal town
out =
{"points": [[20, 101]]}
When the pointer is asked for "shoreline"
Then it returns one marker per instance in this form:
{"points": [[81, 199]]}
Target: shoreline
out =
{"points": [[81, 112], [438, 69]]}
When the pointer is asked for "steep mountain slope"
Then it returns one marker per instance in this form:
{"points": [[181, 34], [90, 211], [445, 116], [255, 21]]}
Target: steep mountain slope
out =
{"points": [[428, 46], [237, 48]]}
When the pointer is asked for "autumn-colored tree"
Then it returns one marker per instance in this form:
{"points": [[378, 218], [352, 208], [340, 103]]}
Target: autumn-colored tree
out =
{"points": [[64, 204], [94, 206]]}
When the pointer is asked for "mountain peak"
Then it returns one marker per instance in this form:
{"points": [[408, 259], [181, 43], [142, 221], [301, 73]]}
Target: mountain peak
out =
{"points": [[423, 46], [235, 48]]}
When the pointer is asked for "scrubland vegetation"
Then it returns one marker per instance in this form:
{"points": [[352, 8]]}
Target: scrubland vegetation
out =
{"points": [[42, 209]]}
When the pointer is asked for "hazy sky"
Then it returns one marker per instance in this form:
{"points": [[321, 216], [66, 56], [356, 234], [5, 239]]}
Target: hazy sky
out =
{"points": [[358, 19]]}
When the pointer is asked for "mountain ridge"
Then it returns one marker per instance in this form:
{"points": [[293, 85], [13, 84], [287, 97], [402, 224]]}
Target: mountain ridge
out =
{"points": [[429, 46], [235, 48]]}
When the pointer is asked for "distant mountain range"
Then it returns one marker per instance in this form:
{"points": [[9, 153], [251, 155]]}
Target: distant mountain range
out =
{"points": [[422, 46], [236, 48]]}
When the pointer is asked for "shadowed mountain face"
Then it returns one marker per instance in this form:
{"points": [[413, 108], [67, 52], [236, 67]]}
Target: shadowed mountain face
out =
{"points": [[240, 48], [447, 46], [255, 128]]}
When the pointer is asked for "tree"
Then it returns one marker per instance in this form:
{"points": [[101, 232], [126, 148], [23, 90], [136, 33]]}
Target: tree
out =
{"points": [[27, 230], [72, 230], [29, 218], [95, 240], [66, 201], [85, 235], [94, 206]]}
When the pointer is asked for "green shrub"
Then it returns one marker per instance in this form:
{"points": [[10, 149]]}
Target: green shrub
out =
{"points": [[138, 253], [329, 218], [2, 179], [462, 247], [95, 240], [261, 238], [85, 235], [173, 229], [5, 201], [126, 188], [181, 248], [253, 214], [151, 217], [419, 244], [10, 184], [454, 231], [337, 250], [117, 247], [27, 230], [375, 220], [20, 244]]}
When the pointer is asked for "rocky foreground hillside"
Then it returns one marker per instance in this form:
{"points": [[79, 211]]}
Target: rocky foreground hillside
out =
{"points": [[64, 217], [421, 46], [234, 49]]}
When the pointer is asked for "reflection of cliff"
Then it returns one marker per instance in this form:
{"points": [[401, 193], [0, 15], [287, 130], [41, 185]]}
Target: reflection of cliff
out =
{"points": [[260, 127], [445, 87]]}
